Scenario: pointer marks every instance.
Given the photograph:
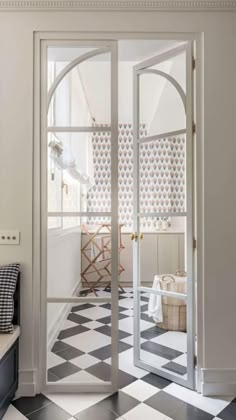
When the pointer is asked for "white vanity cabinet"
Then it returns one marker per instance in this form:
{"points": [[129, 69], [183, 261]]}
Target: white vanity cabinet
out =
{"points": [[160, 253]]}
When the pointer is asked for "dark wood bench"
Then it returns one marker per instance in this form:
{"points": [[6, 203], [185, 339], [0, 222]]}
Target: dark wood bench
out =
{"points": [[9, 356]]}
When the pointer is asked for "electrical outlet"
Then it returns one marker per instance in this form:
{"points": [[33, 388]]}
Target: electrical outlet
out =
{"points": [[9, 237]]}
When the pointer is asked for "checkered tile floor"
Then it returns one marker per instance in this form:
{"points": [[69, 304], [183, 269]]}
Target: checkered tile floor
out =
{"points": [[82, 353]]}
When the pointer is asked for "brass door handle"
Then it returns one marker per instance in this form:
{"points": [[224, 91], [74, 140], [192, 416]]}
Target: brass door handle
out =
{"points": [[141, 236], [134, 236]]}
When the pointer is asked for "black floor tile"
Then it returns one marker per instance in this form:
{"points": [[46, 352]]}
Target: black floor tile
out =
{"points": [[229, 413], [125, 379], [70, 353], [107, 319], [101, 370], [122, 297], [104, 353], [50, 412], [59, 346], [156, 380], [78, 319], [144, 299], [145, 317], [159, 350], [27, 405], [82, 307], [165, 403], [69, 332], [175, 367], [120, 403], [189, 412], [108, 306], [176, 408], [64, 369], [106, 329], [52, 377], [96, 412], [152, 332]]}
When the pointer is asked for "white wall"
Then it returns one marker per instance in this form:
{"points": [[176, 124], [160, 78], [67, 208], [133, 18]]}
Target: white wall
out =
{"points": [[218, 207]]}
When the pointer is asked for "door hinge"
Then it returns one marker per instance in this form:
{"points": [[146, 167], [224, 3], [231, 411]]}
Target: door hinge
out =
{"points": [[194, 63], [194, 243], [195, 361], [194, 127]]}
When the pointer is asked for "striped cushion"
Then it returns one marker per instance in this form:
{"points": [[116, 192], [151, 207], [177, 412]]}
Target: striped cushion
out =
{"points": [[8, 279]]}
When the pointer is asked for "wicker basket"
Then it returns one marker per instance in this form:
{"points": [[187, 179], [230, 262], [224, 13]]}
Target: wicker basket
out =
{"points": [[174, 310]]}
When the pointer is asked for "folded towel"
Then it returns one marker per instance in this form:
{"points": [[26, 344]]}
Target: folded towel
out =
{"points": [[155, 302]]}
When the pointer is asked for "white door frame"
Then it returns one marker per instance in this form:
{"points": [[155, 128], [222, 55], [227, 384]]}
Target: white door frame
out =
{"points": [[37, 184], [187, 99], [46, 96]]}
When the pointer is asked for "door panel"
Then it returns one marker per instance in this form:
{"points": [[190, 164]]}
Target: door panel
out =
{"points": [[163, 309], [80, 240]]}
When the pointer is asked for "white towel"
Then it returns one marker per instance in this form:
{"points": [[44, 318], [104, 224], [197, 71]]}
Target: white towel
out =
{"points": [[155, 302]]}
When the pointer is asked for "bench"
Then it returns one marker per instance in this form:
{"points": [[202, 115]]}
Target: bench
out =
{"points": [[9, 355]]}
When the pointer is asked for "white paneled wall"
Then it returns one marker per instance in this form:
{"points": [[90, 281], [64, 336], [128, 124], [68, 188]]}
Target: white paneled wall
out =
{"points": [[160, 253]]}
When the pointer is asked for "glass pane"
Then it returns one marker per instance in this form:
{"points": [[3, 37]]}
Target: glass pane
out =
{"points": [[163, 331], [60, 57], [76, 343], [162, 248], [77, 99], [162, 175], [79, 172], [161, 107], [79, 258]]}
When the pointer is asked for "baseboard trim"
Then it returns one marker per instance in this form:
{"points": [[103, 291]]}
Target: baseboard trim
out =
{"points": [[218, 382], [27, 383]]}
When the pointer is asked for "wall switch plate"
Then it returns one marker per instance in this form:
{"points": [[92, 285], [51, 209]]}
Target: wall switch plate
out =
{"points": [[9, 237]]}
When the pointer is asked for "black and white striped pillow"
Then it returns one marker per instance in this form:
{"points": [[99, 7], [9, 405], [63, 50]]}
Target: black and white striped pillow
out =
{"points": [[8, 279]]}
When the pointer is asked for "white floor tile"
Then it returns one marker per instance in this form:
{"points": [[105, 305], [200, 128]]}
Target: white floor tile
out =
{"points": [[143, 411], [13, 414], [127, 325], [129, 312], [85, 361], [173, 339], [152, 359], [54, 360], [126, 303], [181, 360], [127, 365], [140, 390], [95, 313], [130, 340], [93, 324], [88, 341], [81, 377], [75, 403], [209, 404], [68, 324]]}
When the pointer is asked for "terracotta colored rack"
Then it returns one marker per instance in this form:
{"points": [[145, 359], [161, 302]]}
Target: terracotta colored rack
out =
{"points": [[96, 255]]}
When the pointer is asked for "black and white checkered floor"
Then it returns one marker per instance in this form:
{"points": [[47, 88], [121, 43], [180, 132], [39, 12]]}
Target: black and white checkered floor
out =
{"points": [[82, 353]]}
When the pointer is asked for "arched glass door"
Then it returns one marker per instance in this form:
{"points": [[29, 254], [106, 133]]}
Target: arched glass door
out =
{"points": [[163, 217], [79, 241]]}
